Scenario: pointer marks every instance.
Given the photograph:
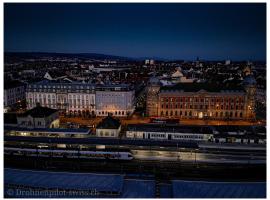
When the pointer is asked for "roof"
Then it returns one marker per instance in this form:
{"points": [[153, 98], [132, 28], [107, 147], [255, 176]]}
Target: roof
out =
{"points": [[13, 84], [109, 123], [238, 129], [10, 118], [169, 128], [138, 189], [195, 87], [50, 130], [64, 180], [38, 112], [201, 189]]}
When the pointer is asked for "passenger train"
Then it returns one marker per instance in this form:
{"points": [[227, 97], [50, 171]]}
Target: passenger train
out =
{"points": [[110, 155]]}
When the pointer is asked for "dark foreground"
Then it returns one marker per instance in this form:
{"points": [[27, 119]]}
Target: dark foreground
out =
{"points": [[162, 171]]}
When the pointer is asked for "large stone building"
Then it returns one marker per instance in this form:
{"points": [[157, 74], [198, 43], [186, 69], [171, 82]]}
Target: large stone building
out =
{"points": [[82, 98], [115, 99], [202, 101], [14, 92]]}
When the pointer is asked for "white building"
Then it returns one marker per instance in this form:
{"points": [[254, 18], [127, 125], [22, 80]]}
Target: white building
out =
{"points": [[169, 132], [68, 97], [117, 100], [82, 98], [108, 127], [14, 92]]}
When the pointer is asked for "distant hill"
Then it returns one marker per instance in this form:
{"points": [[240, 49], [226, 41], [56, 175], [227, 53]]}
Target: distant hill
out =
{"points": [[67, 55]]}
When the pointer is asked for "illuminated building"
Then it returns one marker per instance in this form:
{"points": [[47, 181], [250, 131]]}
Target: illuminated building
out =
{"points": [[202, 100], [82, 98], [108, 127], [115, 99], [14, 92]]}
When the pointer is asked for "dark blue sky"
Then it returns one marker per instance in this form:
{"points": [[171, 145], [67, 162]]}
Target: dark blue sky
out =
{"points": [[174, 31]]}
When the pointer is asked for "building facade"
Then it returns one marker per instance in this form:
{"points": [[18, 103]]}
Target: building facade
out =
{"points": [[117, 100], [14, 91], [169, 132], [108, 127], [39, 117], [202, 101], [81, 98]]}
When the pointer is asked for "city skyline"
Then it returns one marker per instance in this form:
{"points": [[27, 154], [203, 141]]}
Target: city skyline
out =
{"points": [[168, 31]]}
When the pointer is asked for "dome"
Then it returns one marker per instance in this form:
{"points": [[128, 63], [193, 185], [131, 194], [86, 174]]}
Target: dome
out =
{"points": [[249, 80]]}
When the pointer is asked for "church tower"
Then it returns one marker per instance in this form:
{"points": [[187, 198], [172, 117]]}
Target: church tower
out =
{"points": [[249, 84], [152, 91]]}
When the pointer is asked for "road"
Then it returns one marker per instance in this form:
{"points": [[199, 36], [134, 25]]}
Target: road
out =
{"points": [[141, 120]]}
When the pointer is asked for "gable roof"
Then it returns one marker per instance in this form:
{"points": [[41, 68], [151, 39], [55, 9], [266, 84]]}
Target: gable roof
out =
{"points": [[39, 112], [109, 123]]}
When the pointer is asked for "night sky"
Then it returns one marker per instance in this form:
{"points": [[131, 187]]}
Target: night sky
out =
{"points": [[172, 31]]}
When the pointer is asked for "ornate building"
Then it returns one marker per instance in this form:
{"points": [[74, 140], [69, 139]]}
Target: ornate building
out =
{"points": [[82, 98], [201, 101]]}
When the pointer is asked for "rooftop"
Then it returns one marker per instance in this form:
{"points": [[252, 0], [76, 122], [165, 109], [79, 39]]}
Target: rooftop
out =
{"points": [[109, 123], [39, 112], [169, 128], [49, 130], [64, 180], [202, 189], [196, 87]]}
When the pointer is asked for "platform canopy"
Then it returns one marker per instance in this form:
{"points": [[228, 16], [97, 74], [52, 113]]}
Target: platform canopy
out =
{"points": [[64, 180], [202, 189]]}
